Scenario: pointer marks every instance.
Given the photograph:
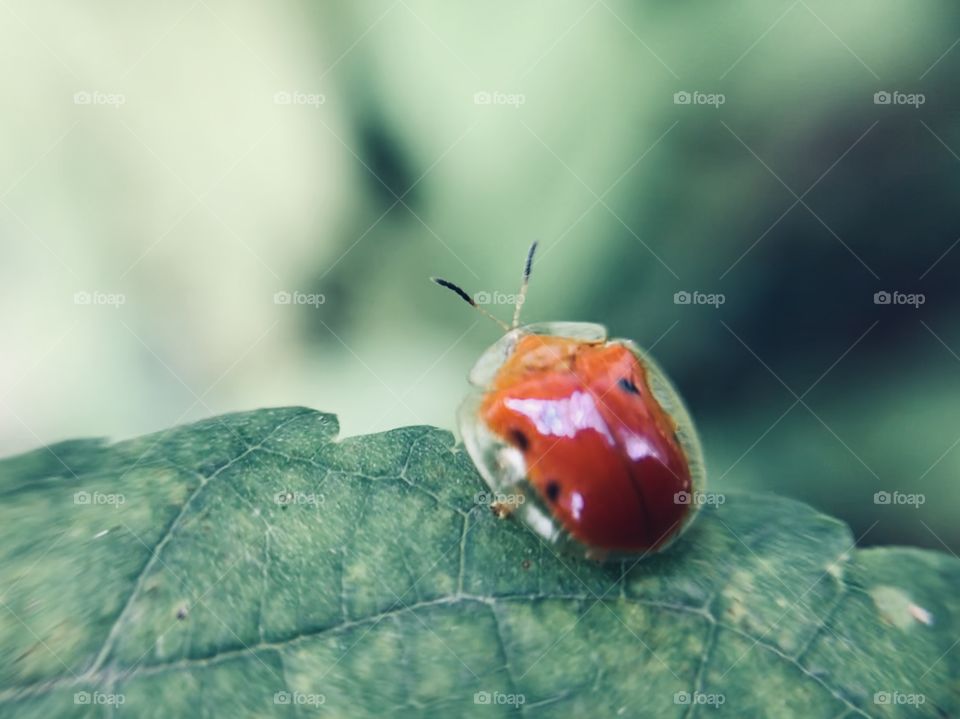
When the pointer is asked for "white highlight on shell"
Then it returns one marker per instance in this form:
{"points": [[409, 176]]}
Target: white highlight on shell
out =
{"points": [[563, 417], [576, 505], [639, 448]]}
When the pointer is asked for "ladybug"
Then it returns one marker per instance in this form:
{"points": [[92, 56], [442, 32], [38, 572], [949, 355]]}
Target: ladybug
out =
{"points": [[583, 438]]}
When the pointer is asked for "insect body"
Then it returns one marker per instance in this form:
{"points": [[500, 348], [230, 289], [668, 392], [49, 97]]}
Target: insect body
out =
{"points": [[589, 431]]}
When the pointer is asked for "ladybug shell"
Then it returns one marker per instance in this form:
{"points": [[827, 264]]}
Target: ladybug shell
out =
{"points": [[585, 438]]}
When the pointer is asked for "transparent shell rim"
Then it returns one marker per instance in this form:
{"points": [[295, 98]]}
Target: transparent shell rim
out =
{"points": [[490, 361]]}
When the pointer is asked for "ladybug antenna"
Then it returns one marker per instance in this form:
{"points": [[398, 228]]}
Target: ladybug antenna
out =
{"points": [[469, 300], [524, 281]]}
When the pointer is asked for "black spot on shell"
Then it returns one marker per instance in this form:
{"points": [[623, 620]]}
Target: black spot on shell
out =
{"points": [[519, 439], [627, 385], [553, 490]]}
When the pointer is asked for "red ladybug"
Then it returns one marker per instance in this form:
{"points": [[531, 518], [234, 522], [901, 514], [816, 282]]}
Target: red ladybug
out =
{"points": [[584, 438]]}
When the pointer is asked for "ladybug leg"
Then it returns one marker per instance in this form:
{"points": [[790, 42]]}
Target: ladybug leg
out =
{"points": [[504, 505], [502, 510]]}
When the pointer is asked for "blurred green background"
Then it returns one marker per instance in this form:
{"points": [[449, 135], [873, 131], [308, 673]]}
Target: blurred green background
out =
{"points": [[167, 169]]}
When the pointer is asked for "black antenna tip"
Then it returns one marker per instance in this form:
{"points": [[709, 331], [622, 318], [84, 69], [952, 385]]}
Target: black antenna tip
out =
{"points": [[450, 286], [529, 265]]}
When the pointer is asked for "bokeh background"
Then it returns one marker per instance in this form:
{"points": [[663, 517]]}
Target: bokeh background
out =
{"points": [[167, 168]]}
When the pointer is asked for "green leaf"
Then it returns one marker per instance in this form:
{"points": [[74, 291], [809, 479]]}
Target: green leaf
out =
{"points": [[219, 568]]}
